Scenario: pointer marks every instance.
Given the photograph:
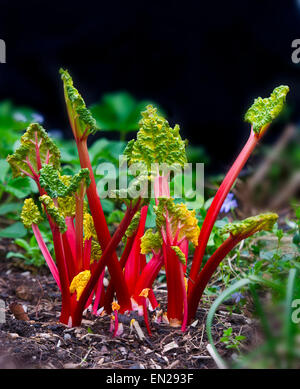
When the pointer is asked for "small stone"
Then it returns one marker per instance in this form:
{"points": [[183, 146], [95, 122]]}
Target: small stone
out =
{"points": [[67, 337], [104, 350], [13, 335], [44, 335], [137, 366], [147, 350], [71, 365], [100, 362], [123, 350]]}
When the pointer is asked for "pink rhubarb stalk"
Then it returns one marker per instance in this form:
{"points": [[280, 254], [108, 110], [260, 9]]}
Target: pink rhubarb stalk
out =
{"points": [[218, 200], [46, 254], [133, 266]]}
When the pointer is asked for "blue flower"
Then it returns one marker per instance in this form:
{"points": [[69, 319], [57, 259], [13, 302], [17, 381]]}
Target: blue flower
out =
{"points": [[237, 296], [19, 117], [229, 203], [36, 117]]}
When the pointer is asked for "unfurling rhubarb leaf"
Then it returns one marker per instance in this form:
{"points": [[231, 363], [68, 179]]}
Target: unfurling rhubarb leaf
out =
{"points": [[90, 233], [81, 119], [51, 181], [53, 211], [133, 225], [30, 213], [263, 111], [151, 242], [179, 254], [35, 150], [96, 251], [88, 227], [67, 205], [156, 142], [79, 282], [181, 219], [251, 225]]}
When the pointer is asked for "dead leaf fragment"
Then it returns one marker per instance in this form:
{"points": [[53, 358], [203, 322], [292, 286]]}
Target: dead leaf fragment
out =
{"points": [[18, 311], [170, 346]]}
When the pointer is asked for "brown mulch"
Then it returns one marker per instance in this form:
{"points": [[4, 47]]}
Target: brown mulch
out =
{"points": [[42, 342]]}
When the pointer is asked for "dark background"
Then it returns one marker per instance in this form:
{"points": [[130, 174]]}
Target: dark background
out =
{"points": [[203, 62]]}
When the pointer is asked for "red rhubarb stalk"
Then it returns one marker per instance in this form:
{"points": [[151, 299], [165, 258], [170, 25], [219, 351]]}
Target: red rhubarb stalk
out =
{"points": [[133, 265], [98, 294], [101, 228], [218, 200], [111, 247], [149, 274], [79, 226], [71, 235], [208, 270], [109, 295], [174, 284], [71, 261]]}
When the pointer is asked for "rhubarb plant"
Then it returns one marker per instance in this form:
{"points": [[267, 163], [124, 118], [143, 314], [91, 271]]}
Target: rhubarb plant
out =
{"points": [[83, 246]]}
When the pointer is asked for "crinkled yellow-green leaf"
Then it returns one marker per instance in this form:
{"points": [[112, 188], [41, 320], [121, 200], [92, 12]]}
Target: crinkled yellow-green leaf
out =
{"points": [[180, 217], [263, 111], [30, 213], [179, 254], [53, 211], [264, 221], [51, 181], [79, 283], [156, 142], [151, 242], [27, 149], [80, 116]]}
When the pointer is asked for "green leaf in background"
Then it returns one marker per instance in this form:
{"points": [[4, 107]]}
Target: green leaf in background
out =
{"points": [[4, 167], [115, 217], [106, 150], [107, 206], [10, 207], [17, 118], [151, 217], [19, 187], [118, 111], [16, 230], [197, 154], [13, 120]]}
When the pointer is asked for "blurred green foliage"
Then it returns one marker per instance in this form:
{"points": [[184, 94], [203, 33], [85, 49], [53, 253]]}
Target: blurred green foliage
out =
{"points": [[119, 111], [13, 120]]}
